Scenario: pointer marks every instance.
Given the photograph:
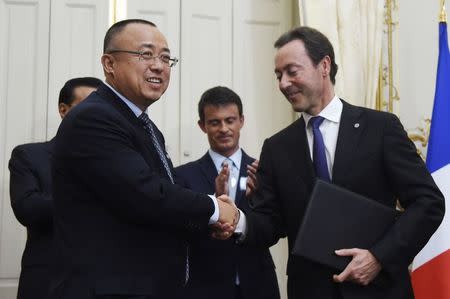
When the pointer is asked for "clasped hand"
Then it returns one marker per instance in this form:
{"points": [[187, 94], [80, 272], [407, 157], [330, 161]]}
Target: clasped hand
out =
{"points": [[228, 218]]}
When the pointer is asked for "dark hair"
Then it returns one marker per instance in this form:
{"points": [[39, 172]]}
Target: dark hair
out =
{"points": [[117, 28], [316, 44], [218, 96], [66, 94]]}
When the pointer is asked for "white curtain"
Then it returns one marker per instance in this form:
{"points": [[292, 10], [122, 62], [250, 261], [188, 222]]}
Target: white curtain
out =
{"points": [[355, 28]]}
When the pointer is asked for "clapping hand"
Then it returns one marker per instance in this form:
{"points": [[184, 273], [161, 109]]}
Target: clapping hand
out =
{"points": [[252, 182], [221, 181]]}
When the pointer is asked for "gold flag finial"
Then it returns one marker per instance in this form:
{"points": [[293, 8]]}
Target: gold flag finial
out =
{"points": [[443, 14]]}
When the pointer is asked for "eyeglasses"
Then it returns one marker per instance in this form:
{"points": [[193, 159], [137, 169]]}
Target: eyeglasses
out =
{"points": [[148, 56]]}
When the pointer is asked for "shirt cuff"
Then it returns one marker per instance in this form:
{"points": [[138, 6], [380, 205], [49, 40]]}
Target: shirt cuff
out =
{"points": [[241, 227], [215, 216]]}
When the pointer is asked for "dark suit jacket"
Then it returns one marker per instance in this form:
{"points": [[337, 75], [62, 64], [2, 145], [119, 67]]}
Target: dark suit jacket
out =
{"points": [[120, 224], [31, 201], [213, 263], [375, 159]]}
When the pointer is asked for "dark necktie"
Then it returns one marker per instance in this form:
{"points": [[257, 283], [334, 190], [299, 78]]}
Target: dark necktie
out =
{"points": [[148, 126], [319, 157]]}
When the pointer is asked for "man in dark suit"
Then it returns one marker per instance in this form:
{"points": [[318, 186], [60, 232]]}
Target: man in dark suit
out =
{"points": [[121, 224], [360, 149], [238, 271], [31, 196]]}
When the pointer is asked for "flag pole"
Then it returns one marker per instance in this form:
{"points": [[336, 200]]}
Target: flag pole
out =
{"points": [[443, 13]]}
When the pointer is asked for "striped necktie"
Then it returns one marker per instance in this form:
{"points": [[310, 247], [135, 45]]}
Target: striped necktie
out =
{"points": [[148, 126]]}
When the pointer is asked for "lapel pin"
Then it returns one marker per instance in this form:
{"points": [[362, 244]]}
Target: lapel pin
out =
{"points": [[356, 125]]}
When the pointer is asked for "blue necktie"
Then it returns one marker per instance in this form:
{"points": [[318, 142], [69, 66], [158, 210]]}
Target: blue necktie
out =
{"points": [[319, 157], [148, 126]]}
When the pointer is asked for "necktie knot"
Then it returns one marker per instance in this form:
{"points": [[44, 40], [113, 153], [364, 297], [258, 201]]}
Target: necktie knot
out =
{"points": [[228, 161], [145, 120], [316, 121]]}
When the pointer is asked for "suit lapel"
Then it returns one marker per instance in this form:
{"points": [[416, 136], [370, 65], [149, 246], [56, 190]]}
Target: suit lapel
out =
{"points": [[297, 148], [245, 160], [144, 143], [350, 130], [208, 169]]}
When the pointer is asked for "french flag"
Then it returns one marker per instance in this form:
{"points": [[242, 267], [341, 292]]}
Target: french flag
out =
{"points": [[431, 267]]}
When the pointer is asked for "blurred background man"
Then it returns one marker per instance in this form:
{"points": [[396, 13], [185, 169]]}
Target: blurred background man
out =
{"points": [[224, 269], [31, 196]]}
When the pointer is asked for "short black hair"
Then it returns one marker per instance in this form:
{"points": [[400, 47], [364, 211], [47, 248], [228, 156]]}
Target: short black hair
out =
{"points": [[316, 44], [66, 94], [218, 96], [116, 28]]}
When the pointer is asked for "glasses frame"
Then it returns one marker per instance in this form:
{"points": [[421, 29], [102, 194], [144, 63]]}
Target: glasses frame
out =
{"points": [[172, 60]]}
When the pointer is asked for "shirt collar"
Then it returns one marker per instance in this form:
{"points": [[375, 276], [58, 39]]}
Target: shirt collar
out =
{"points": [[331, 112], [136, 110], [218, 159]]}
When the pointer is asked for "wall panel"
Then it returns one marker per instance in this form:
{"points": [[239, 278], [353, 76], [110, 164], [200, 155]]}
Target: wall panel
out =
{"points": [[76, 44], [165, 112], [206, 39], [24, 27]]}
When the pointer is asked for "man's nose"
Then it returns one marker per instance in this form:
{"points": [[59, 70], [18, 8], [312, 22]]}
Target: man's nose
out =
{"points": [[284, 83], [156, 64], [223, 127]]}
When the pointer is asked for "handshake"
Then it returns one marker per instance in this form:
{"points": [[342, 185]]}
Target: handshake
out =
{"points": [[228, 218], [229, 214]]}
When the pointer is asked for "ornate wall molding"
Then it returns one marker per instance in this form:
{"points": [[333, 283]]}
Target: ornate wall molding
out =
{"points": [[387, 94]]}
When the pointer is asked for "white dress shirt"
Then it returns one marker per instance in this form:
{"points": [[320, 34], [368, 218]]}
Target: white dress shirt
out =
{"points": [[235, 158], [218, 160], [329, 129]]}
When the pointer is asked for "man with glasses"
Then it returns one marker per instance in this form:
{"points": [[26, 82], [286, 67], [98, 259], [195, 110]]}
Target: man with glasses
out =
{"points": [[121, 224]]}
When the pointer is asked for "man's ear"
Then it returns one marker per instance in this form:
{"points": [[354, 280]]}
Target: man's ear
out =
{"points": [[201, 124], [108, 62], [326, 66], [63, 108]]}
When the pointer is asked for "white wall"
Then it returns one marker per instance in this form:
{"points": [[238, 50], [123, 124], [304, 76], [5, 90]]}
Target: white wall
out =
{"points": [[39, 51], [24, 40], [417, 59]]}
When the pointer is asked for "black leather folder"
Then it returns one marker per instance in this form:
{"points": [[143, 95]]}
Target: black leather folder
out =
{"points": [[337, 218]]}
